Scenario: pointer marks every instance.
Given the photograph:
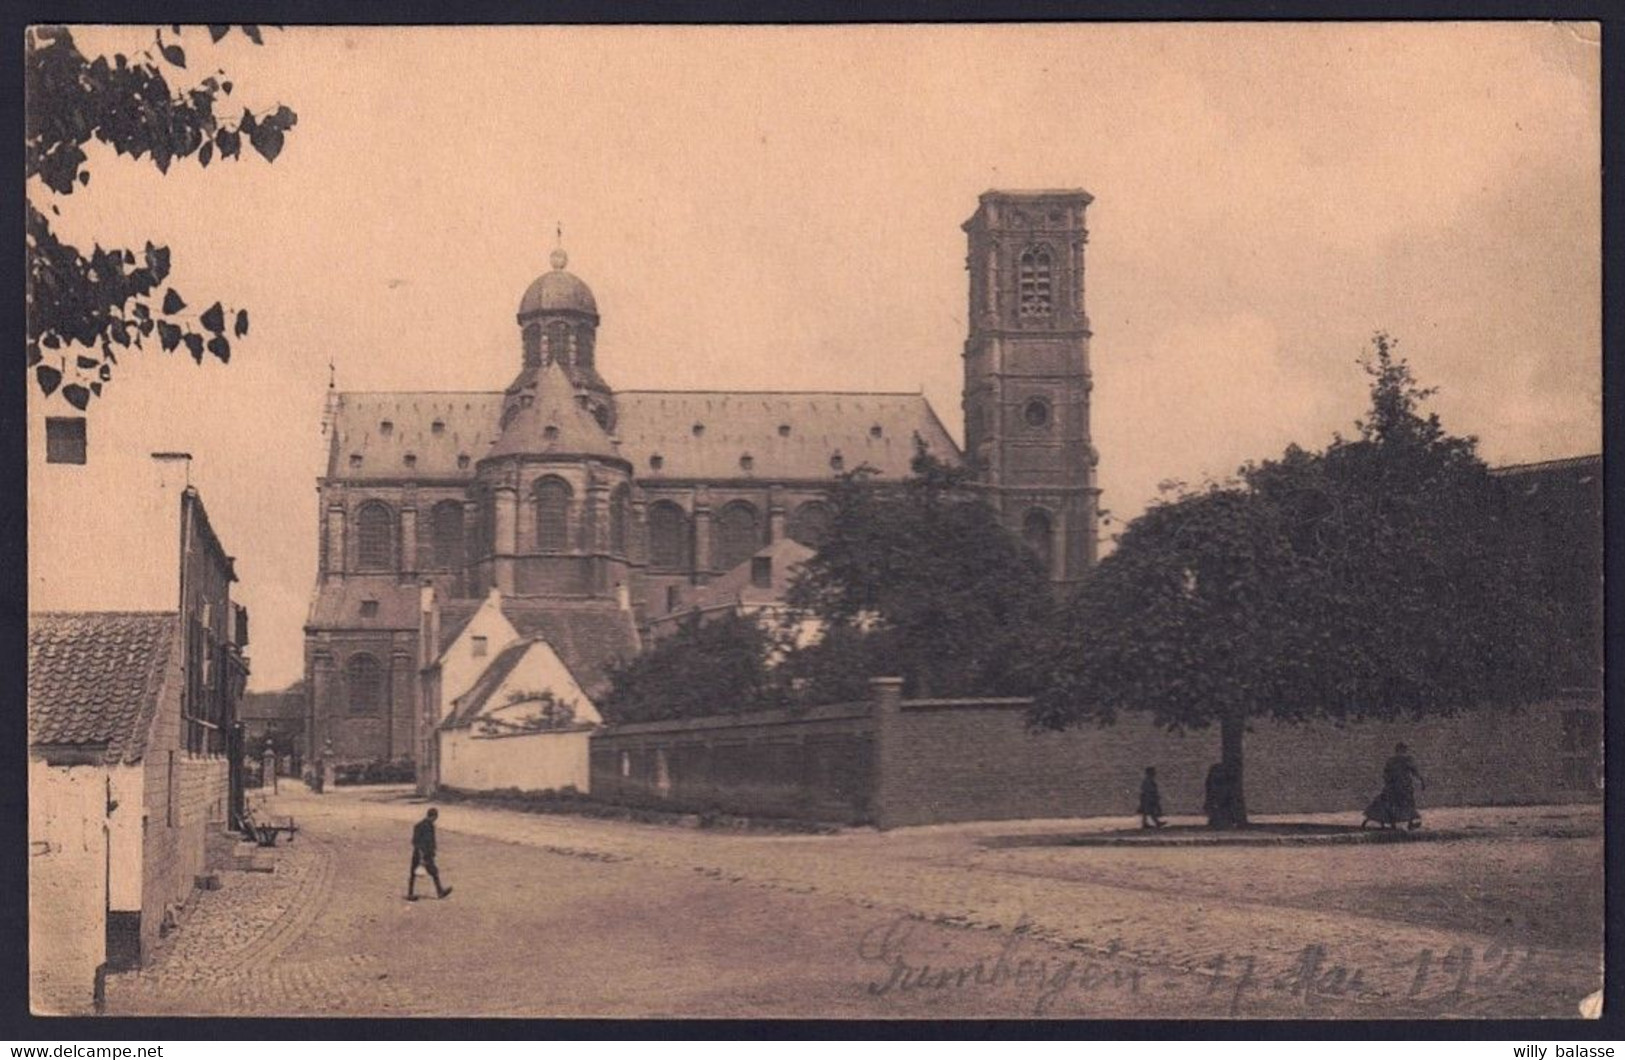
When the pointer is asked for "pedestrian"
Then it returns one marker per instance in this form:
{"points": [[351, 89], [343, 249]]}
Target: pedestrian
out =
{"points": [[1150, 800], [423, 854], [1397, 802]]}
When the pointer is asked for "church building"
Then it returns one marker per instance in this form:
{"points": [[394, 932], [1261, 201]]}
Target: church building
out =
{"points": [[594, 512]]}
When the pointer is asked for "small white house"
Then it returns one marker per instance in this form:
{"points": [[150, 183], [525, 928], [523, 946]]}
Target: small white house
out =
{"points": [[524, 724]]}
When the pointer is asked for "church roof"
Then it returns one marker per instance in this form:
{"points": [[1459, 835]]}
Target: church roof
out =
{"points": [[546, 418], [94, 678], [338, 603], [788, 435]]}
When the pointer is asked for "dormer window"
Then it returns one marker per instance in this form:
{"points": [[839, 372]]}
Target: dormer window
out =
{"points": [[410, 460], [784, 430], [355, 459], [369, 609], [462, 462], [551, 433], [875, 431], [699, 429], [837, 461], [386, 428], [747, 462], [438, 427], [656, 462]]}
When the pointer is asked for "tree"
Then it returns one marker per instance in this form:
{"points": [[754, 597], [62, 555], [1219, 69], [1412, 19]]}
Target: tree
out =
{"points": [[706, 668], [926, 569], [85, 308], [1378, 578]]}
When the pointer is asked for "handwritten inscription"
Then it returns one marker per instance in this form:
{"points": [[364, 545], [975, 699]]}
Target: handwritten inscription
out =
{"points": [[1042, 976]]}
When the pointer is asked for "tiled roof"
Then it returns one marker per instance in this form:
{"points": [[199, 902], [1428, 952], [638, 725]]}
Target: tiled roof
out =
{"points": [[468, 705], [287, 704], [587, 636], [545, 418], [737, 585], [337, 604], [787, 435], [468, 426], [1592, 462], [96, 677]]}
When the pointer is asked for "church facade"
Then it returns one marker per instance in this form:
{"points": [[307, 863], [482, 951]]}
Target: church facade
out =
{"points": [[594, 513]]}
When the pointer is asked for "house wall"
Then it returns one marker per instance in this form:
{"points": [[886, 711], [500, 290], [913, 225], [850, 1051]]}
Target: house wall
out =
{"points": [[536, 761], [459, 666], [67, 886]]}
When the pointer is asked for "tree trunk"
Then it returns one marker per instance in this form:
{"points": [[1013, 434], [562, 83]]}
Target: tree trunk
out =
{"points": [[1231, 730]]}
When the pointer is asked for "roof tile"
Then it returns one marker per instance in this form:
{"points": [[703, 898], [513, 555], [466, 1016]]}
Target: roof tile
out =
{"points": [[94, 678]]}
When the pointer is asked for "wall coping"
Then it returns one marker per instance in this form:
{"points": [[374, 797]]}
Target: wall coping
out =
{"points": [[824, 712], [987, 703], [571, 731]]}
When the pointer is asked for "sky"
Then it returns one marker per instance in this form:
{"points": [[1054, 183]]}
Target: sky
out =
{"points": [[779, 208]]}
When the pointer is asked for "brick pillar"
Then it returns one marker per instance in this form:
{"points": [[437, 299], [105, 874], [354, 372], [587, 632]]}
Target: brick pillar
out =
{"points": [[507, 538], [409, 541], [335, 540], [317, 726], [886, 699], [702, 536], [775, 514], [402, 704]]}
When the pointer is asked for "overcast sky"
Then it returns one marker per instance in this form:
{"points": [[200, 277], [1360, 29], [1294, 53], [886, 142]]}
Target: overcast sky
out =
{"points": [[779, 208]]}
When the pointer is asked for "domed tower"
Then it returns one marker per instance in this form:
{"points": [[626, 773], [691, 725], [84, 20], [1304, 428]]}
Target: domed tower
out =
{"points": [[554, 494], [558, 319]]}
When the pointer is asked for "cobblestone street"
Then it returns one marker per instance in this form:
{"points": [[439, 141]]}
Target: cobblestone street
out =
{"points": [[569, 916]]}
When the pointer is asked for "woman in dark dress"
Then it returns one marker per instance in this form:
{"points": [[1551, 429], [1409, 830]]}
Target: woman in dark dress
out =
{"points": [[1150, 800], [1397, 803]]}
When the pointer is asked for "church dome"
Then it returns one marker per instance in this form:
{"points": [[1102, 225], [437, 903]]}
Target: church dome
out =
{"points": [[558, 291]]}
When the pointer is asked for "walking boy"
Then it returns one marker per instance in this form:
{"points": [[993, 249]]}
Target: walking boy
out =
{"points": [[423, 854]]}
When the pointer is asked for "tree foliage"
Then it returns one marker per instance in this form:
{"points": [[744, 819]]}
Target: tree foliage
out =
{"points": [[86, 308], [1380, 577], [920, 578], [718, 667]]}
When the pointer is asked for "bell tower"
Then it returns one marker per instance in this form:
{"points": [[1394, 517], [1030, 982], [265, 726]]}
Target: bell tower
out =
{"points": [[1027, 376]]}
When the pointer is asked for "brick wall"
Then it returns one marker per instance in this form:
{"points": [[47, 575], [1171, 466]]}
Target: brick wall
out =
{"points": [[183, 795], [67, 886], [959, 760], [899, 762], [814, 764]]}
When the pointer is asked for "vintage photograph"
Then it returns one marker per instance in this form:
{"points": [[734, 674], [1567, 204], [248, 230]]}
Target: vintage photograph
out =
{"points": [[1028, 521]]}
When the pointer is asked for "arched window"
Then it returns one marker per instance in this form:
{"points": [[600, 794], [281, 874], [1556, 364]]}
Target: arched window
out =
{"points": [[668, 536], [737, 535], [484, 540], [375, 537], [1038, 531], [446, 534], [620, 511], [364, 684], [811, 522], [553, 514], [1037, 294], [533, 345], [558, 342]]}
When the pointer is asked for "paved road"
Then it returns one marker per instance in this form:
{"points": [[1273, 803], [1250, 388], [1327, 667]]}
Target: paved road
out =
{"points": [[562, 916]]}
